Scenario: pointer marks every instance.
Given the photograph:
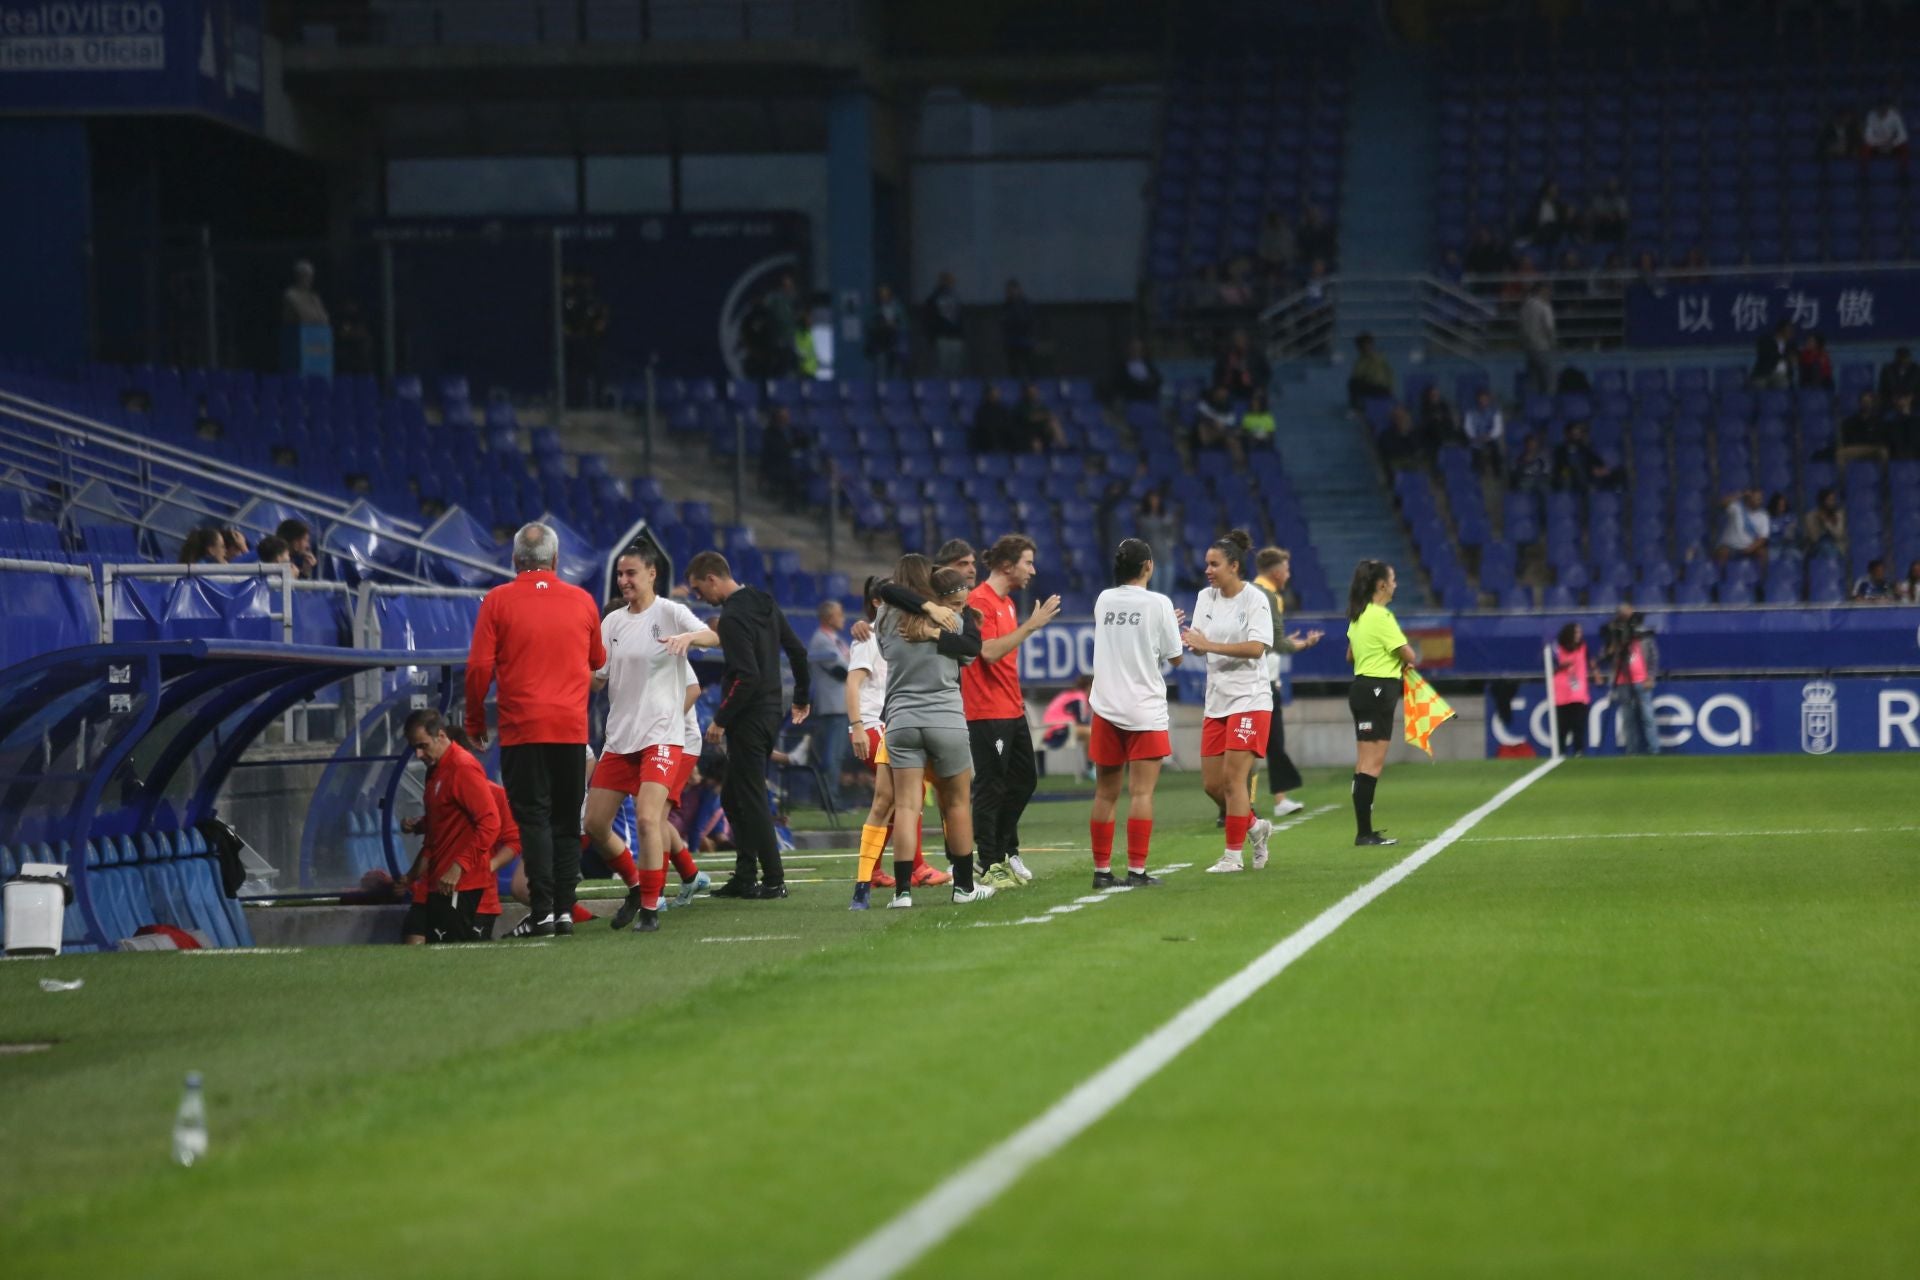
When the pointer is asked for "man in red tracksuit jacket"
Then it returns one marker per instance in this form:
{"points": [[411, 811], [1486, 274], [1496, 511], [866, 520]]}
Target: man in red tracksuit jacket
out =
{"points": [[540, 637], [461, 826]]}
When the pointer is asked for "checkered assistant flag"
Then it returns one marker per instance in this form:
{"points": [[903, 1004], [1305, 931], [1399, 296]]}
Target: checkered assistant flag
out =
{"points": [[1426, 711]]}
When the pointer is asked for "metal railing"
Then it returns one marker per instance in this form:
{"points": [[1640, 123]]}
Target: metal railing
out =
{"points": [[1443, 317], [71, 453]]}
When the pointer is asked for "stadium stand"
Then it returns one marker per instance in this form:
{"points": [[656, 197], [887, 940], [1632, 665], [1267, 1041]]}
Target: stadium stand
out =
{"points": [[1714, 132], [1684, 438], [1248, 134]]}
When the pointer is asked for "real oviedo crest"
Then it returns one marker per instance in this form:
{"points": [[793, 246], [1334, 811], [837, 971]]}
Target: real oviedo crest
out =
{"points": [[1819, 717]]}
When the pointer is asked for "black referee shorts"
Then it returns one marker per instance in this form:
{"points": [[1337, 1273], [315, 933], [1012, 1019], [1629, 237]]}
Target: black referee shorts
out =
{"points": [[1373, 700]]}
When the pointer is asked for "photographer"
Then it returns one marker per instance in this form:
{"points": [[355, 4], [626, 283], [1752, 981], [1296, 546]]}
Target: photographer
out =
{"points": [[1634, 657]]}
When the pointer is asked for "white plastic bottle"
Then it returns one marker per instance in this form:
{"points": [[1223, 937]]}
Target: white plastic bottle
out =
{"points": [[190, 1124]]}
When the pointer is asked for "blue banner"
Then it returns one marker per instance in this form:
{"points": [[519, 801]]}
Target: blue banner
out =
{"points": [[1859, 306], [1490, 645], [1737, 717], [108, 56]]}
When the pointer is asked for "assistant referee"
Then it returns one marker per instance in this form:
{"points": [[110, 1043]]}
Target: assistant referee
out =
{"points": [[1381, 656]]}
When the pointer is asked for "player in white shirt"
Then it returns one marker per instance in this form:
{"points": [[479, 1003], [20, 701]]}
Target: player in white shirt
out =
{"points": [[646, 679], [867, 727], [1136, 633], [1233, 628]]}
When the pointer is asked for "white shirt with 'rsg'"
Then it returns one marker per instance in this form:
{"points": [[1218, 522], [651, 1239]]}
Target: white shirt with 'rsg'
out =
{"points": [[1134, 635], [1235, 685], [646, 685]]}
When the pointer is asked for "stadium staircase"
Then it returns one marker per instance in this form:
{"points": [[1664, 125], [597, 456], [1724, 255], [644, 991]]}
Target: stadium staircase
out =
{"points": [[688, 470]]}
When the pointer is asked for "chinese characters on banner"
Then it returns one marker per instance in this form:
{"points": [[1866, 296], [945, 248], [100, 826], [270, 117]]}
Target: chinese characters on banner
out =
{"points": [[1738, 309]]}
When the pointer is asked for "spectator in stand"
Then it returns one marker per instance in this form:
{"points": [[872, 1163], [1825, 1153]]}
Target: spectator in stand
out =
{"points": [[1241, 368], [1159, 529], [783, 325], [1533, 470], [1137, 381], [1901, 429], [299, 540], [1773, 358], [299, 304], [1579, 467], [1257, 424], [1907, 590], [946, 329], [1236, 287], [1901, 376], [1547, 218], [1017, 332], [1486, 430], [886, 333], [1315, 237], [1816, 366], [1873, 587], [236, 541], [1863, 433], [828, 656], [1037, 428], [1438, 422], [1783, 527], [1744, 528], [1827, 524], [204, 546], [1486, 255], [1279, 247], [1403, 446], [273, 550], [1883, 136], [1572, 695], [1372, 375], [1538, 337], [993, 428], [1608, 214], [1214, 421], [1841, 137]]}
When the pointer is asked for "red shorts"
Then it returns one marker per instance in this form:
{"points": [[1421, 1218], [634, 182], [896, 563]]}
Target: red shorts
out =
{"points": [[681, 772], [1241, 731], [625, 771], [876, 748], [1112, 746]]}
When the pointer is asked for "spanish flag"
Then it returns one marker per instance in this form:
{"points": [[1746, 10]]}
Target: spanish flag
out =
{"points": [[1426, 711]]}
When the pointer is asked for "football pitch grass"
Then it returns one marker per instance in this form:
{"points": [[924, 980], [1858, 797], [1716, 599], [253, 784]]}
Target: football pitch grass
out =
{"points": [[1647, 1018]]}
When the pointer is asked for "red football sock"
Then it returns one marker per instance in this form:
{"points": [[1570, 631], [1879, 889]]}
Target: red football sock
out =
{"points": [[1237, 825], [581, 914], [683, 863], [1102, 834], [651, 883], [1139, 839], [623, 867]]}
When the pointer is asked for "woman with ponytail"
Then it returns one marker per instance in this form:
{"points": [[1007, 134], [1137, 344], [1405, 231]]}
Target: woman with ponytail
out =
{"points": [[1233, 629], [1381, 656], [1135, 633]]}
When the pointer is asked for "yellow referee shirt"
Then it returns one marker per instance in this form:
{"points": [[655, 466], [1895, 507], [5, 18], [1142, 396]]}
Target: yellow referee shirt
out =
{"points": [[1376, 639]]}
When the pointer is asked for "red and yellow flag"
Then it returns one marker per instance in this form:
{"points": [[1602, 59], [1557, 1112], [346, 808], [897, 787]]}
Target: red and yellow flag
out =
{"points": [[1426, 711]]}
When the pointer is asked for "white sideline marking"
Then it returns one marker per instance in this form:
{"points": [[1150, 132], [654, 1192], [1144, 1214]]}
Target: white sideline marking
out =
{"points": [[1690, 835], [1092, 898], [758, 937], [244, 951], [924, 1224], [1066, 908]]}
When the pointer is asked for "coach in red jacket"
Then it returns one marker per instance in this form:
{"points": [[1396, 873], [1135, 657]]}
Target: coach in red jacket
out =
{"points": [[461, 826], [540, 637]]}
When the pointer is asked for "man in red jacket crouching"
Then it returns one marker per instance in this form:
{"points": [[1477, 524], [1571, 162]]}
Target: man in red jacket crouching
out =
{"points": [[461, 826]]}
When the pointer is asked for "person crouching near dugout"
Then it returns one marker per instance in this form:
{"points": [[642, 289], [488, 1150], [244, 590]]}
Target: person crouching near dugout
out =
{"points": [[461, 825]]}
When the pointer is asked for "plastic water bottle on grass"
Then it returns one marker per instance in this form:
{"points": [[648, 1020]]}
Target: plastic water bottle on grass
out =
{"points": [[190, 1124]]}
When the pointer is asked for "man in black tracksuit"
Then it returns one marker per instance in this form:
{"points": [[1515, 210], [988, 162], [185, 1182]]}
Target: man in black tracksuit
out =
{"points": [[752, 632]]}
